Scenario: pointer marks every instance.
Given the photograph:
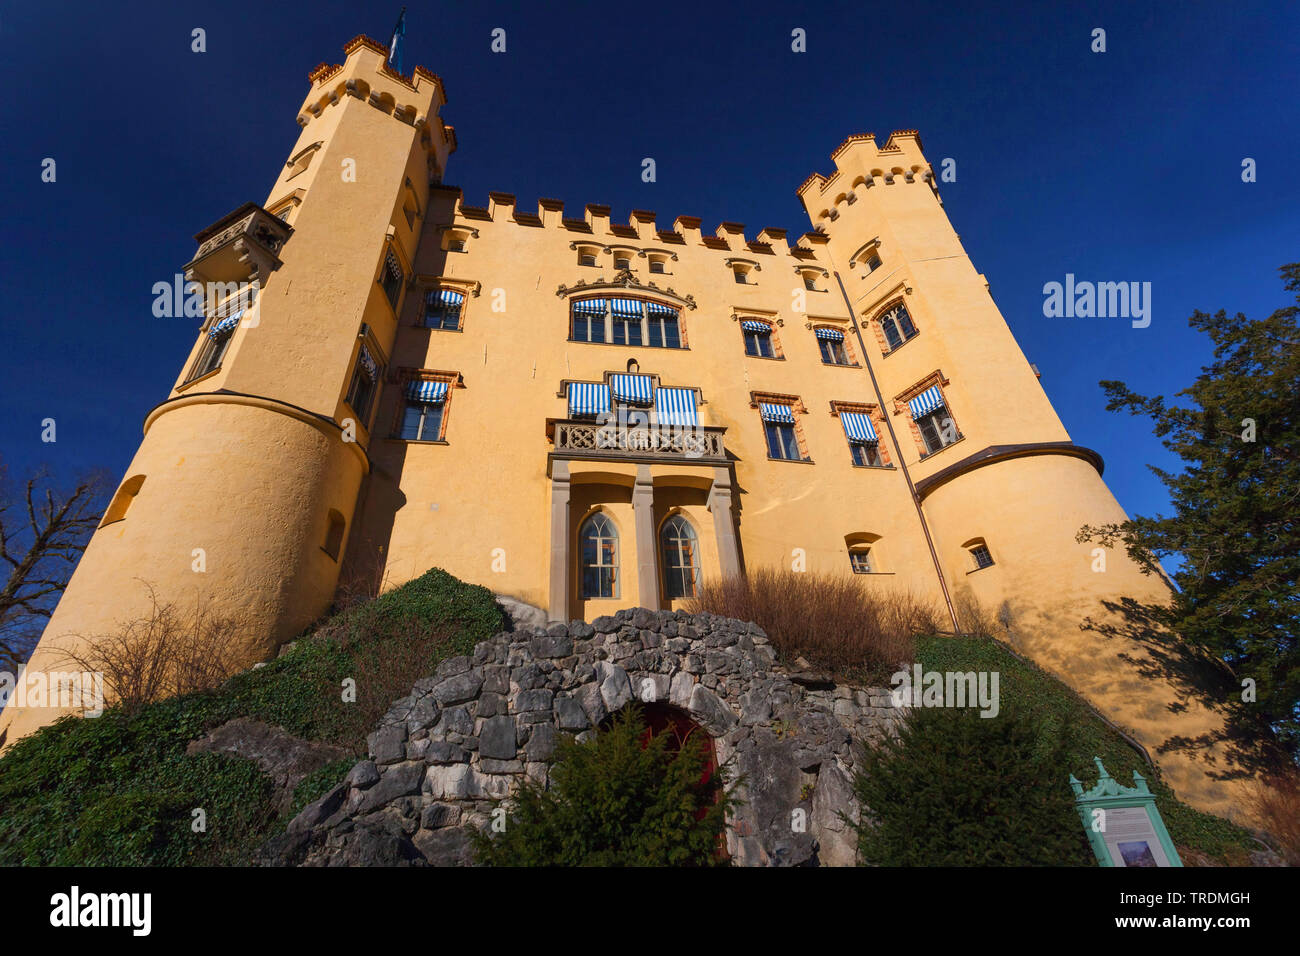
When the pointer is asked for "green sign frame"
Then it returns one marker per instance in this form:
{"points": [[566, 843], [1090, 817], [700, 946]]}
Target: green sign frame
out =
{"points": [[1123, 825]]}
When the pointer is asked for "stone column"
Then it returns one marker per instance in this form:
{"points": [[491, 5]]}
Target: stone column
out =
{"points": [[724, 525], [609, 321], [643, 511], [558, 609], [645, 324]]}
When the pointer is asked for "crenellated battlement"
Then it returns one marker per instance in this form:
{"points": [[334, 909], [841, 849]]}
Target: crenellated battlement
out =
{"points": [[365, 75], [641, 226], [860, 162]]}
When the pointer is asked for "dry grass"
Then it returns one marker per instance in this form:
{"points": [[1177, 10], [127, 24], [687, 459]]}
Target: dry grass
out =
{"points": [[168, 652], [832, 621], [1276, 805]]}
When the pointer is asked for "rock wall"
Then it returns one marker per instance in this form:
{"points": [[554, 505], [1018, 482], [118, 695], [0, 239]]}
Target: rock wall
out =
{"points": [[442, 756]]}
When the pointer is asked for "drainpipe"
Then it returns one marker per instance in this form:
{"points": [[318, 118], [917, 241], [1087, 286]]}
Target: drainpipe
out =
{"points": [[902, 464]]}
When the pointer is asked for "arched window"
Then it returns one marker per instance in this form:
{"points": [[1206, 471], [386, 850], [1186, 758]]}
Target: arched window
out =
{"points": [[599, 543], [681, 558], [897, 326]]}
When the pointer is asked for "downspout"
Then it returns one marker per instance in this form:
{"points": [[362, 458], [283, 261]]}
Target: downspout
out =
{"points": [[902, 464]]}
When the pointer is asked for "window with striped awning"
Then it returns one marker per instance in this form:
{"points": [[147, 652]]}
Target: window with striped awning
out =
{"points": [[628, 307], [676, 406], [442, 309], [635, 389], [392, 278], [222, 326], [858, 427], [773, 412], [830, 335], [587, 399], [429, 393], [588, 320], [367, 363], [926, 402], [762, 328]]}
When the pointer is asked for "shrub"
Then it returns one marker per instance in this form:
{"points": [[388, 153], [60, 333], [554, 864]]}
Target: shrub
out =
{"points": [[1277, 806], [165, 653], [833, 621], [614, 801], [957, 789], [120, 789]]}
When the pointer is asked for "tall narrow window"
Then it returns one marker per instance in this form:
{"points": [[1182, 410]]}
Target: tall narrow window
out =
{"points": [[778, 425], [334, 535], [758, 339], [897, 326], [831, 342], [599, 550], [681, 559], [627, 317], [122, 500], [665, 327], [215, 345], [365, 382], [442, 309], [391, 279]]}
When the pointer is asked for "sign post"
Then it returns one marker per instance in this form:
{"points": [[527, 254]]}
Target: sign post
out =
{"points": [[1123, 825]]}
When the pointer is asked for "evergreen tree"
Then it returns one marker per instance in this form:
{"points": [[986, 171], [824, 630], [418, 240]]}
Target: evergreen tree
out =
{"points": [[1235, 526], [616, 800]]}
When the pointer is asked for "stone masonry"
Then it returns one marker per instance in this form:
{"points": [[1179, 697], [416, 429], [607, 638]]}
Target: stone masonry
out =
{"points": [[442, 757]]}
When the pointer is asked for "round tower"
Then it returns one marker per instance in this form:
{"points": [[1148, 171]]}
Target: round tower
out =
{"points": [[1002, 488], [244, 487]]}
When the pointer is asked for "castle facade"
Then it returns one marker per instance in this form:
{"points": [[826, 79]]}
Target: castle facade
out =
{"points": [[587, 414]]}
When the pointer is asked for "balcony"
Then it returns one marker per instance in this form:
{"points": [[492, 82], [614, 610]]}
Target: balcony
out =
{"points": [[575, 439], [242, 247]]}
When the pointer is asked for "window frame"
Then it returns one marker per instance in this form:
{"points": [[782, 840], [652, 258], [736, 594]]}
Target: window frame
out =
{"points": [[669, 567], [865, 554], [366, 413], [435, 292], [612, 567]]}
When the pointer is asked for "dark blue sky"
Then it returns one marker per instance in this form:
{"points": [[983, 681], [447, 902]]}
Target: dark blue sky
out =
{"points": [[1117, 166]]}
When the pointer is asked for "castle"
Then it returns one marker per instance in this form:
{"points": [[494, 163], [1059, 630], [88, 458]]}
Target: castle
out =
{"points": [[589, 415]]}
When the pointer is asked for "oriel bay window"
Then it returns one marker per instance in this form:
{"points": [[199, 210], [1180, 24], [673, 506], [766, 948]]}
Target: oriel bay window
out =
{"points": [[442, 309], [758, 339], [424, 404], [621, 321], [779, 427], [933, 420]]}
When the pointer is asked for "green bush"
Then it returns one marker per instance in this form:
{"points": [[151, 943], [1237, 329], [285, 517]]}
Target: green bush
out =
{"points": [[121, 790], [1054, 705], [958, 789], [614, 802]]}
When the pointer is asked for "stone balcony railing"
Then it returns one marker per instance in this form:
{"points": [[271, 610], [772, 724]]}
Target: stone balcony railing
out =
{"points": [[585, 439], [241, 247]]}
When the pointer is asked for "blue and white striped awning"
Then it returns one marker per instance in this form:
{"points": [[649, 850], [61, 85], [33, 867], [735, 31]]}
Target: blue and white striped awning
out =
{"points": [[589, 306], [676, 406], [658, 308], [446, 297], [394, 267], [631, 388], [858, 427], [926, 402], [587, 398], [776, 413], [833, 335], [430, 393], [367, 363], [630, 308], [762, 328], [222, 326]]}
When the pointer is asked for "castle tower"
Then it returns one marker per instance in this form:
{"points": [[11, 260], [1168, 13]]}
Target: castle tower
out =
{"points": [[1003, 490], [244, 487]]}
